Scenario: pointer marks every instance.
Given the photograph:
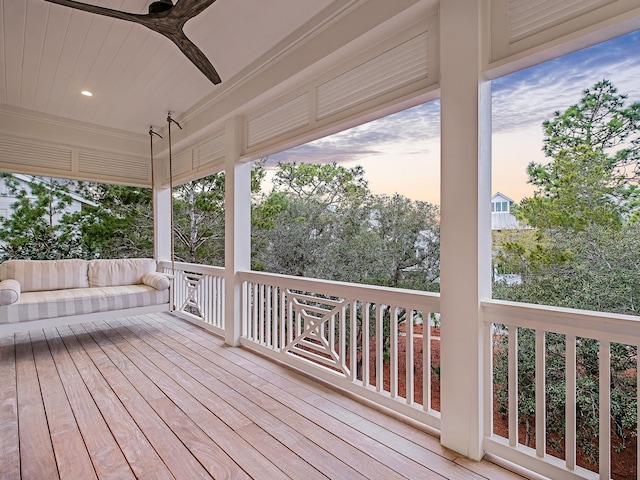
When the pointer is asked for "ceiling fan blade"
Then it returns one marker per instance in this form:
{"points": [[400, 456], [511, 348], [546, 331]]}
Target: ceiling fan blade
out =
{"points": [[169, 23], [199, 59], [108, 12]]}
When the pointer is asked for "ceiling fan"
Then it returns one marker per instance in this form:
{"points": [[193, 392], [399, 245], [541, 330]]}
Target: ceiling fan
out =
{"points": [[165, 18]]}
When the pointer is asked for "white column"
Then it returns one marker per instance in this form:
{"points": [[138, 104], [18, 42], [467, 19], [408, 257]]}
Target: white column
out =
{"points": [[237, 228], [465, 228]]}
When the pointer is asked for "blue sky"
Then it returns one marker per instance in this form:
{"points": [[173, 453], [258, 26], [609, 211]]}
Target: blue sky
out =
{"points": [[409, 140]]}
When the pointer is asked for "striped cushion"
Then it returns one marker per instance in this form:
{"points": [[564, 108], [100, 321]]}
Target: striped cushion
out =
{"points": [[78, 301], [39, 275], [121, 271], [9, 292]]}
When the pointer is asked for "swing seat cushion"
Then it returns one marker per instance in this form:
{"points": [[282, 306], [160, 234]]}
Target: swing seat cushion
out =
{"points": [[47, 289]]}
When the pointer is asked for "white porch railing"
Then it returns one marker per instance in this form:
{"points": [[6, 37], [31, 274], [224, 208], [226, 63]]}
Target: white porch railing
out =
{"points": [[575, 326], [198, 293], [354, 336], [357, 337]]}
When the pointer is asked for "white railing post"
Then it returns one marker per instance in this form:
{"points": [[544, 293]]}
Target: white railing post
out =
{"points": [[465, 226], [237, 228]]}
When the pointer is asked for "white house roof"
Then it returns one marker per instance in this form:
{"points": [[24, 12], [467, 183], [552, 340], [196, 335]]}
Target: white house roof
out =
{"points": [[501, 196], [74, 196]]}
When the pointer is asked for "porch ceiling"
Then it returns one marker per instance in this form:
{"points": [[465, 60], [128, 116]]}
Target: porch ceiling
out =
{"points": [[369, 57], [49, 53]]}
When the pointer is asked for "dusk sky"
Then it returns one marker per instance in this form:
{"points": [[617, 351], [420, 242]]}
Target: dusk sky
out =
{"points": [[408, 141]]}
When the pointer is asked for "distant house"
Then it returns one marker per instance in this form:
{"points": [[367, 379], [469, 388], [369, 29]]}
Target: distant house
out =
{"points": [[501, 217], [25, 181]]}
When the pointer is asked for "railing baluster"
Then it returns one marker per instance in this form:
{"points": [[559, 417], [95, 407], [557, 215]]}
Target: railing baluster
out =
{"points": [[604, 441], [275, 305], [283, 318], [343, 338], [214, 301], [262, 304], [353, 344], [332, 331], [268, 317], [256, 306], [291, 321], [219, 305], [426, 363], [541, 404], [245, 308], [570, 402], [393, 370], [366, 312], [513, 385], [379, 351], [409, 362], [223, 287]]}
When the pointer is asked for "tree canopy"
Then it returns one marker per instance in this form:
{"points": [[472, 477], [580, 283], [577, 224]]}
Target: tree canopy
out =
{"points": [[592, 176], [39, 227], [322, 221]]}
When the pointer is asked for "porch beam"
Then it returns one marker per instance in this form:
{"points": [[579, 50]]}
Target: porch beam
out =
{"points": [[237, 250], [465, 225]]}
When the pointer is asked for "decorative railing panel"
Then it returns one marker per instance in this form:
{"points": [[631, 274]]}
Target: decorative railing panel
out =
{"points": [[367, 339], [198, 292], [565, 397]]}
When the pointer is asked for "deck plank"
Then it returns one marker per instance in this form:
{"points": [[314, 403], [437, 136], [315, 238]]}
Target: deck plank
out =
{"points": [[299, 389], [170, 448], [72, 457], [9, 440], [105, 453], [282, 436], [36, 451], [298, 440], [192, 397], [395, 434], [118, 430], [353, 448], [182, 410], [155, 397]]}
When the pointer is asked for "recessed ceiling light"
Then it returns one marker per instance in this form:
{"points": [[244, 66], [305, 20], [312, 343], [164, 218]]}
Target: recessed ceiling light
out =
{"points": [[86, 93]]}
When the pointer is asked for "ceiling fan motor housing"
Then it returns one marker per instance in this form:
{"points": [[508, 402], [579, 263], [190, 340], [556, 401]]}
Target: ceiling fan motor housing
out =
{"points": [[160, 6]]}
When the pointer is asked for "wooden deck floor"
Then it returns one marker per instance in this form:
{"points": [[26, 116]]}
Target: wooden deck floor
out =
{"points": [[155, 397]]}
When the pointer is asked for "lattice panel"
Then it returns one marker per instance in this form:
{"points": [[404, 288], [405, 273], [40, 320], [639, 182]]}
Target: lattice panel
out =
{"points": [[318, 324], [191, 303]]}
